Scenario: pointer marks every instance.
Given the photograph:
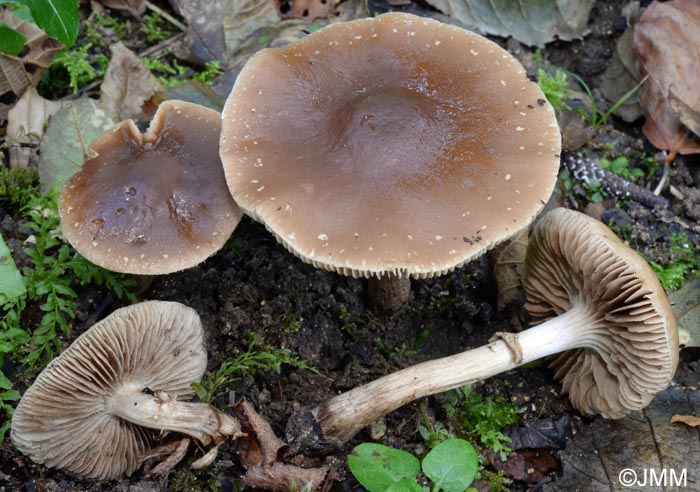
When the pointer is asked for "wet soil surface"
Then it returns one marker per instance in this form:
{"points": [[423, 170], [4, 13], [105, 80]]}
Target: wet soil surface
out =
{"points": [[254, 291]]}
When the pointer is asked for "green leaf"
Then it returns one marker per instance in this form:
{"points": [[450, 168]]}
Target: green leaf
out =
{"points": [[11, 41], [378, 467], [57, 18], [451, 465], [11, 284], [407, 485]]}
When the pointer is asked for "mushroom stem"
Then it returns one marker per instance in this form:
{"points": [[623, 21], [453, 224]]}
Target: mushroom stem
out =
{"points": [[388, 292], [344, 415], [158, 410]]}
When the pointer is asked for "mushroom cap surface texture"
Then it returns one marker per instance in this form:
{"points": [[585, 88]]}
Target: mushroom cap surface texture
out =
{"points": [[63, 419], [395, 144], [152, 203], [573, 260]]}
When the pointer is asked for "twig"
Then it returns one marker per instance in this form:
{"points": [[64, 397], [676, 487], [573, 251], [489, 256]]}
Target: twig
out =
{"points": [[166, 16], [662, 181]]}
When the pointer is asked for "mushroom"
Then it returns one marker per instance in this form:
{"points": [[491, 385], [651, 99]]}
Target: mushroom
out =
{"points": [[600, 307], [389, 147], [87, 410], [152, 203]]}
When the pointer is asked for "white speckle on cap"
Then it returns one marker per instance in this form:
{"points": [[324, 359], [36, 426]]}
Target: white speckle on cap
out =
{"points": [[358, 37], [474, 52], [323, 237], [357, 234], [126, 259], [523, 113], [503, 83], [260, 189], [410, 238], [438, 43], [507, 177], [370, 248], [292, 235], [522, 147], [143, 256], [519, 128], [438, 238], [94, 244], [452, 252], [489, 198]]}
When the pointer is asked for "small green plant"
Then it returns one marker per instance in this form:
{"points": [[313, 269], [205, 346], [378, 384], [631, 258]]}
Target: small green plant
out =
{"points": [[620, 166], [57, 18], [250, 362], [152, 28], [481, 419], [685, 260], [596, 117], [555, 87], [17, 187], [77, 65], [433, 433], [450, 466]]}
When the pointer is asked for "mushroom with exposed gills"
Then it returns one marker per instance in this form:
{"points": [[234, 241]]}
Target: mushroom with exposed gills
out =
{"points": [[87, 410], [155, 202], [599, 307], [389, 147]]}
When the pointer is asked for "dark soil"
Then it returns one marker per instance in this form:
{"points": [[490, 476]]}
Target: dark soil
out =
{"points": [[254, 290]]}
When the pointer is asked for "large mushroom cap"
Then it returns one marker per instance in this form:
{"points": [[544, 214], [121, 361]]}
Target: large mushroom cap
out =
{"points": [[63, 420], [633, 340], [152, 203], [395, 144]]}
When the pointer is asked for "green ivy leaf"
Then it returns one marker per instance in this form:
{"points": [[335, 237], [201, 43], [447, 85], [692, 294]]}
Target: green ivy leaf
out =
{"points": [[378, 467], [11, 41], [407, 485], [451, 465], [57, 18]]}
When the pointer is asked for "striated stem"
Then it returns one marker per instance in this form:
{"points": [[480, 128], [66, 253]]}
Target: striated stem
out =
{"points": [[388, 292], [158, 410], [344, 415]]}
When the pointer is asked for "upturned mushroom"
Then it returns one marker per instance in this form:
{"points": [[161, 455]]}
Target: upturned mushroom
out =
{"points": [[88, 409], [152, 203], [389, 147], [599, 307]]}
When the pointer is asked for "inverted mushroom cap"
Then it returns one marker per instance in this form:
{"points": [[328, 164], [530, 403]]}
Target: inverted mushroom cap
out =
{"points": [[63, 420], [575, 261], [152, 203], [395, 144]]}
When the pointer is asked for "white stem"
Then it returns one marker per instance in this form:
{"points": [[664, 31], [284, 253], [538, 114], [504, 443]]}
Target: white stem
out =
{"points": [[200, 421], [344, 415]]}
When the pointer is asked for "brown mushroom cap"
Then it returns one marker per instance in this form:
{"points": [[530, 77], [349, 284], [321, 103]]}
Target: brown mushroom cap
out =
{"points": [[632, 354], [152, 203], [395, 144], [64, 420]]}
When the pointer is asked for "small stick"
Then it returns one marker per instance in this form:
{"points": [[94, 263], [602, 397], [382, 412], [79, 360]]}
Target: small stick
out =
{"points": [[166, 16]]}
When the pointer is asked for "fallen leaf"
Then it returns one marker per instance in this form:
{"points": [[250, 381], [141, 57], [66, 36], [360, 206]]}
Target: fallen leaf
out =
{"points": [[244, 18], [666, 45], [198, 93], [136, 8], [57, 18], [66, 143], [19, 72], [543, 433], [508, 260], [127, 85], [689, 420], [306, 9], [532, 22], [620, 77], [218, 28], [595, 457], [529, 465], [686, 309], [26, 122], [260, 452]]}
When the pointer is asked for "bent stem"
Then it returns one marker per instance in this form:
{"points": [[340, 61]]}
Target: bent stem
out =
{"points": [[344, 415], [158, 410]]}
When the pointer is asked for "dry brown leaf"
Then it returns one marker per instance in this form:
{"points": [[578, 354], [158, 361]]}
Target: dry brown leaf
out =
{"points": [[127, 85], [306, 9], [689, 420], [667, 47], [19, 72], [26, 123], [261, 452], [508, 260], [135, 8]]}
